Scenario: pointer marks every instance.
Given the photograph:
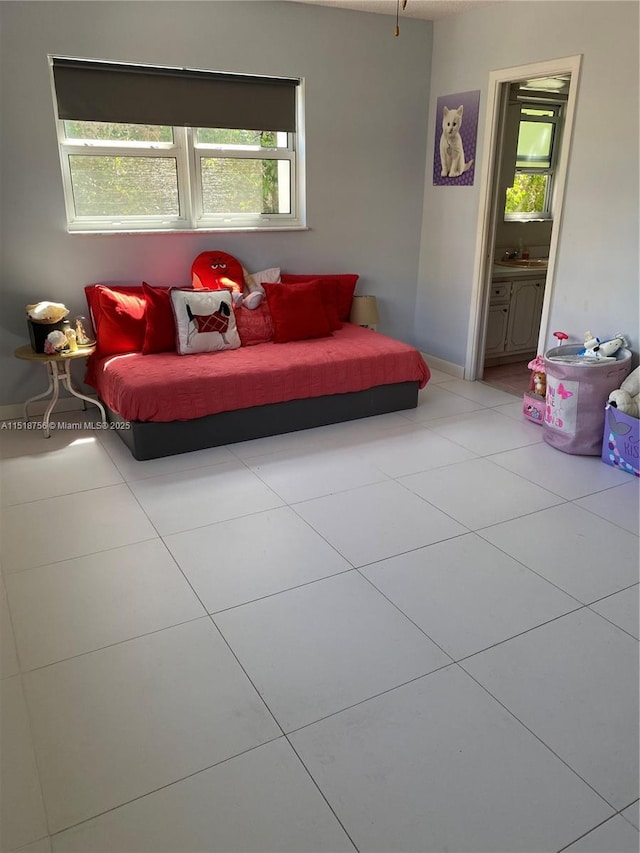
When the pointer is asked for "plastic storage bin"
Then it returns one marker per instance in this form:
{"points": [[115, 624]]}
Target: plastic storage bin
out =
{"points": [[576, 396]]}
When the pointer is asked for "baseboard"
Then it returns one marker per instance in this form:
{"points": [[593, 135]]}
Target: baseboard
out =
{"points": [[14, 411], [456, 370]]}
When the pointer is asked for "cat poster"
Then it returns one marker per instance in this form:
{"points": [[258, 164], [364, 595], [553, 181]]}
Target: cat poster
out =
{"points": [[455, 139]]}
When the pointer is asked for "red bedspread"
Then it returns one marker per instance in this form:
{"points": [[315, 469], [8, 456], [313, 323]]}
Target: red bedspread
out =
{"points": [[169, 387]]}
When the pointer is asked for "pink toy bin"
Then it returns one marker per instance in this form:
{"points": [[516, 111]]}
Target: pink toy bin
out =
{"points": [[577, 391]]}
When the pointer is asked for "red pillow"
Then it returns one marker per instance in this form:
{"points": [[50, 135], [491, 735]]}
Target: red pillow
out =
{"points": [[92, 295], [254, 326], [329, 294], [118, 313], [341, 285], [297, 311], [160, 327], [122, 322]]}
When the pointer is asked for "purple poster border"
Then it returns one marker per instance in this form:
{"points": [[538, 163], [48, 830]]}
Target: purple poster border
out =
{"points": [[470, 102]]}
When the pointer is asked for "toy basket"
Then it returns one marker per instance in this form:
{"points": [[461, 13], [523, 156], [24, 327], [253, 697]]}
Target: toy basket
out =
{"points": [[577, 391], [621, 441]]}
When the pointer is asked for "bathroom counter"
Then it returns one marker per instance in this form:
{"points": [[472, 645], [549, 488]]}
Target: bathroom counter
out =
{"points": [[515, 273]]}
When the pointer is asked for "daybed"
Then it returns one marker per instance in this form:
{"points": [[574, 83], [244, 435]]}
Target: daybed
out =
{"points": [[166, 403]]}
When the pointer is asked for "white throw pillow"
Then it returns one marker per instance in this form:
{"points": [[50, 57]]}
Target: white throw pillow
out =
{"points": [[205, 321], [271, 276]]}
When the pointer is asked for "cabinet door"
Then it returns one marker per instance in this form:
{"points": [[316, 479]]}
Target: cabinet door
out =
{"points": [[500, 292], [496, 329], [524, 315]]}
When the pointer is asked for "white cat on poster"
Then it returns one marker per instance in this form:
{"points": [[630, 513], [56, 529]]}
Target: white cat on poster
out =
{"points": [[451, 147]]}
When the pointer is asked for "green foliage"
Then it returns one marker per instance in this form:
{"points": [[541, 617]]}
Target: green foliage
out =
{"points": [[527, 194], [106, 184], [113, 132], [124, 186], [228, 136], [244, 185]]}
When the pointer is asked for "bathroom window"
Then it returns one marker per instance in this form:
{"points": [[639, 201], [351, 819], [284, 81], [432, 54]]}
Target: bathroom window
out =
{"points": [[530, 195]]}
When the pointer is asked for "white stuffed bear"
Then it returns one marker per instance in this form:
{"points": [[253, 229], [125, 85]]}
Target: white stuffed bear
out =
{"points": [[627, 397], [632, 383]]}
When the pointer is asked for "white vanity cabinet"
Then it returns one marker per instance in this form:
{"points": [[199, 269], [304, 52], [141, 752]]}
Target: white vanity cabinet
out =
{"points": [[515, 309], [498, 318]]}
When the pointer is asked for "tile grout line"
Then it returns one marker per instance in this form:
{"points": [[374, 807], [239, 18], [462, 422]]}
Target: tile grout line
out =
{"points": [[322, 794], [79, 556], [478, 651], [369, 698], [561, 502], [490, 458], [122, 482], [284, 734], [480, 531], [593, 829], [31, 728], [537, 737], [162, 787], [83, 654], [597, 515]]}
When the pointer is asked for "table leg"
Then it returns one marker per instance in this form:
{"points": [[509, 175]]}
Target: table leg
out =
{"points": [[54, 397], [65, 375], [44, 394]]}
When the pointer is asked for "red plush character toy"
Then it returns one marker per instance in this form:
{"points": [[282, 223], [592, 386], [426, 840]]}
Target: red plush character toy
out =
{"points": [[221, 271]]}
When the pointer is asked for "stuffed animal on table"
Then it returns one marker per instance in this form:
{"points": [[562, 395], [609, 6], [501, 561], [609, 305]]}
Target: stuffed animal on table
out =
{"points": [[56, 342], [626, 398], [221, 271], [602, 350]]}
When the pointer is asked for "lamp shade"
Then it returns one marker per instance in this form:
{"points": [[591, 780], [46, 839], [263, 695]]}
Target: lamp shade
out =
{"points": [[364, 311]]}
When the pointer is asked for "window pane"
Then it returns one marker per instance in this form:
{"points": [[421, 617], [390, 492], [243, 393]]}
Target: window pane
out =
{"points": [[527, 195], [535, 139], [529, 111], [112, 132], [253, 138], [232, 185], [124, 186]]}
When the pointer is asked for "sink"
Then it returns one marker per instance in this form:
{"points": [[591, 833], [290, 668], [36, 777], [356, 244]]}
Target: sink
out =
{"points": [[532, 263]]}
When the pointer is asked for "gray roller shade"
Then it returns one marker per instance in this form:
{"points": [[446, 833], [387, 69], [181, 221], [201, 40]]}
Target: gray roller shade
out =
{"points": [[138, 94]]}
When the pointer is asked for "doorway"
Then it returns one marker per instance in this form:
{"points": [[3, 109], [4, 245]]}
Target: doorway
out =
{"points": [[513, 285]]}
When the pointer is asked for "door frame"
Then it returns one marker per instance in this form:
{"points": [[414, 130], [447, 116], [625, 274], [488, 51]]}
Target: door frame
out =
{"points": [[487, 214]]}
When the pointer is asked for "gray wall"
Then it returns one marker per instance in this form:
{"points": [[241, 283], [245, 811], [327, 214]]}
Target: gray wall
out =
{"points": [[366, 94], [596, 286]]}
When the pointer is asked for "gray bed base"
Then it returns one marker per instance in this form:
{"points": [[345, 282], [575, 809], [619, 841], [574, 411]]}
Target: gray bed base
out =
{"points": [[151, 440]]}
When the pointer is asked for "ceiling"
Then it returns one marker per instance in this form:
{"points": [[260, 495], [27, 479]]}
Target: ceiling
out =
{"points": [[427, 10]]}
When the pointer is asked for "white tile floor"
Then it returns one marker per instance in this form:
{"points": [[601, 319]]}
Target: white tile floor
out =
{"points": [[416, 632]]}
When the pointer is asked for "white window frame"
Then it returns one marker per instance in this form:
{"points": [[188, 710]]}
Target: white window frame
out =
{"points": [[188, 153], [204, 151], [556, 120]]}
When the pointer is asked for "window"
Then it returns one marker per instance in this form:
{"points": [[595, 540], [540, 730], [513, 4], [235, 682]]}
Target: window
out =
{"points": [[152, 149], [529, 196]]}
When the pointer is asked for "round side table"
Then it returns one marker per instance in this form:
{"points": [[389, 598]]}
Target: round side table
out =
{"points": [[58, 370]]}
